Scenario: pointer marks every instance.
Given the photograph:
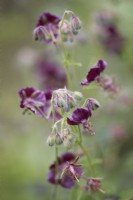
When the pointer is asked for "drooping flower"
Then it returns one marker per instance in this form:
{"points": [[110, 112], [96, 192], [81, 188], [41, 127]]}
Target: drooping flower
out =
{"points": [[111, 38], [93, 185], [67, 172], [51, 75], [95, 72], [33, 100], [108, 84], [38, 102], [79, 116], [47, 28]]}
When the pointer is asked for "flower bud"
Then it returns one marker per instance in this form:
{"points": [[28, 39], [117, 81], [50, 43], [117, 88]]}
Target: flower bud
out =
{"points": [[70, 137], [65, 28], [67, 143], [61, 103], [93, 103], [78, 96], [74, 31], [64, 37], [51, 140], [64, 99], [75, 23], [58, 139]]}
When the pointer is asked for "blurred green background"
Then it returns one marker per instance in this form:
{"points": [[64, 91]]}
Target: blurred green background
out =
{"points": [[24, 154]]}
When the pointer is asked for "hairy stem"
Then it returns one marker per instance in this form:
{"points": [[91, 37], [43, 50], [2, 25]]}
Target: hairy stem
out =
{"points": [[65, 53], [85, 152], [56, 149]]}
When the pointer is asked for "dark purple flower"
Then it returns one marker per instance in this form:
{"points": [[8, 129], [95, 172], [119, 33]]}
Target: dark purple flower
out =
{"points": [[47, 27], [66, 171], [109, 35], [112, 40], [95, 72], [79, 116], [51, 75], [38, 102], [33, 99]]}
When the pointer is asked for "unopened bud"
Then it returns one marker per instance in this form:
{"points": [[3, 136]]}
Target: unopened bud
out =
{"points": [[64, 99], [78, 96], [93, 103], [64, 37], [65, 28], [61, 103], [75, 23], [67, 143], [70, 137], [58, 139], [75, 31], [51, 140]]}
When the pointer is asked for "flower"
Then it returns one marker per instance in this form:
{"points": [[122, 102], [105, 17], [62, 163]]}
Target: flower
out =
{"points": [[112, 40], [47, 28], [108, 84], [109, 35], [95, 72], [79, 116], [92, 103], [38, 102], [93, 185], [66, 171], [51, 75], [33, 99]]}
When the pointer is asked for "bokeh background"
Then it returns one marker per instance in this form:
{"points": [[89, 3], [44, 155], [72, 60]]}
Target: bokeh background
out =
{"points": [[24, 154]]}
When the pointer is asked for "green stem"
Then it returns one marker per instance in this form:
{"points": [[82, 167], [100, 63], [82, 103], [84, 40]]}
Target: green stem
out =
{"points": [[85, 152], [88, 158], [80, 135], [56, 151], [65, 53]]}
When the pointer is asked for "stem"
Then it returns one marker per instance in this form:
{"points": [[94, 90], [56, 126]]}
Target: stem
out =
{"points": [[85, 152], [56, 150], [64, 51], [79, 195], [80, 136]]}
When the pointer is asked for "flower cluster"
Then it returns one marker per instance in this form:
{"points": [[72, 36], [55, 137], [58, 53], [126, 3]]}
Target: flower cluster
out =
{"points": [[49, 27], [68, 110]]}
